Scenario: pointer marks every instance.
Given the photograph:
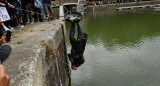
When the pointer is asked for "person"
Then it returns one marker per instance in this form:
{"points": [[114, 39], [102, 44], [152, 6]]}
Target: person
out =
{"points": [[16, 13], [5, 50], [48, 9], [78, 46], [4, 78], [4, 3]]}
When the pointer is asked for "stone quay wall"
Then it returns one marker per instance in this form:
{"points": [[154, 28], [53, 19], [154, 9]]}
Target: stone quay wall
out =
{"points": [[39, 56]]}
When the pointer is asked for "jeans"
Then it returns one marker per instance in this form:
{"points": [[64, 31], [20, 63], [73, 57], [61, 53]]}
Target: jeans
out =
{"points": [[48, 9]]}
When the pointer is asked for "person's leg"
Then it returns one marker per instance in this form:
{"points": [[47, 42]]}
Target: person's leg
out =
{"points": [[79, 29], [51, 10], [29, 6], [73, 41], [14, 13], [35, 16], [24, 13], [72, 30], [16, 20], [42, 14], [18, 15], [5, 51], [46, 10]]}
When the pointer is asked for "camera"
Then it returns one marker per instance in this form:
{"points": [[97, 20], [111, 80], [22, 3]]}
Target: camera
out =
{"points": [[8, 36]]}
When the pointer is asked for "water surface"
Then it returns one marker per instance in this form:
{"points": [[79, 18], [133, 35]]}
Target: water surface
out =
{"points": [[123, 48]]}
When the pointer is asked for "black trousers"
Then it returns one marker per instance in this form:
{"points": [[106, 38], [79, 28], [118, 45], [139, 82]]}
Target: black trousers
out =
{"points": [[5, 51], [24, 13]]}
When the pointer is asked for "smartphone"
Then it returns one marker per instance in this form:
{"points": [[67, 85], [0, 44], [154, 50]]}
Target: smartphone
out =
{"points": [[8, 36]]}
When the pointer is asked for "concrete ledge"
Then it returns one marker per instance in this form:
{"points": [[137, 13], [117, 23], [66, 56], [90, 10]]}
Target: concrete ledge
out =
{"points": [[124, 5], [34, 60], [135, 7]]}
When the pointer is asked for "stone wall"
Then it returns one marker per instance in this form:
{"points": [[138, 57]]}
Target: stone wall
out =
{"points": [[38, 56], [69, 1], [114, 6]]}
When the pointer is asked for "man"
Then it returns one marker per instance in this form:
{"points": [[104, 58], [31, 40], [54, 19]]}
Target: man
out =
{"points": [[78, 46], [4, 78]]}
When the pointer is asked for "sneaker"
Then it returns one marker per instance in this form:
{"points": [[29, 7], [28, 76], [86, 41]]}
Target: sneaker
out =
{"points": [[52, 18], [11, 28], [18, 26], [32, 22], [42, 21], [22, 26]]}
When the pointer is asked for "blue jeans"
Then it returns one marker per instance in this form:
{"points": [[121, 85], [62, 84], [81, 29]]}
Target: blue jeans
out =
{"points": [[72, 30], [41, 4]]}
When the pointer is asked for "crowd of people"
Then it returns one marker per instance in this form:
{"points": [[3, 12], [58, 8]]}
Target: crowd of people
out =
{"points": [[22, 12]]}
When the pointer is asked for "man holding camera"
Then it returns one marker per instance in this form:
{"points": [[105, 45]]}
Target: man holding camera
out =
{"points": [[4, 53]]}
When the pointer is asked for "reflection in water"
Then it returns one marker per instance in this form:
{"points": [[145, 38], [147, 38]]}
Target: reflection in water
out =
{"points": [[123, 49]]}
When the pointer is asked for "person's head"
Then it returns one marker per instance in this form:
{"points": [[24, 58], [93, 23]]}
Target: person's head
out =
{"points": [[76, 60]]}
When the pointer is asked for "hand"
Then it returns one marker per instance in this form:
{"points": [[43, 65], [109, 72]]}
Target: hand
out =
{"points": [[2, 4], [3, 39], [11, 6], [4, 78]]}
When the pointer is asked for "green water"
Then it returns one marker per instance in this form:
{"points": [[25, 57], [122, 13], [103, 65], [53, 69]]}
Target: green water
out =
{"points": [[123, 48]]}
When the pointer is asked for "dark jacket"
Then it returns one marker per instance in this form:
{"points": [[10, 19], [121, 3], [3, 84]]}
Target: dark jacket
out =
{"points": [[77, 50]]}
